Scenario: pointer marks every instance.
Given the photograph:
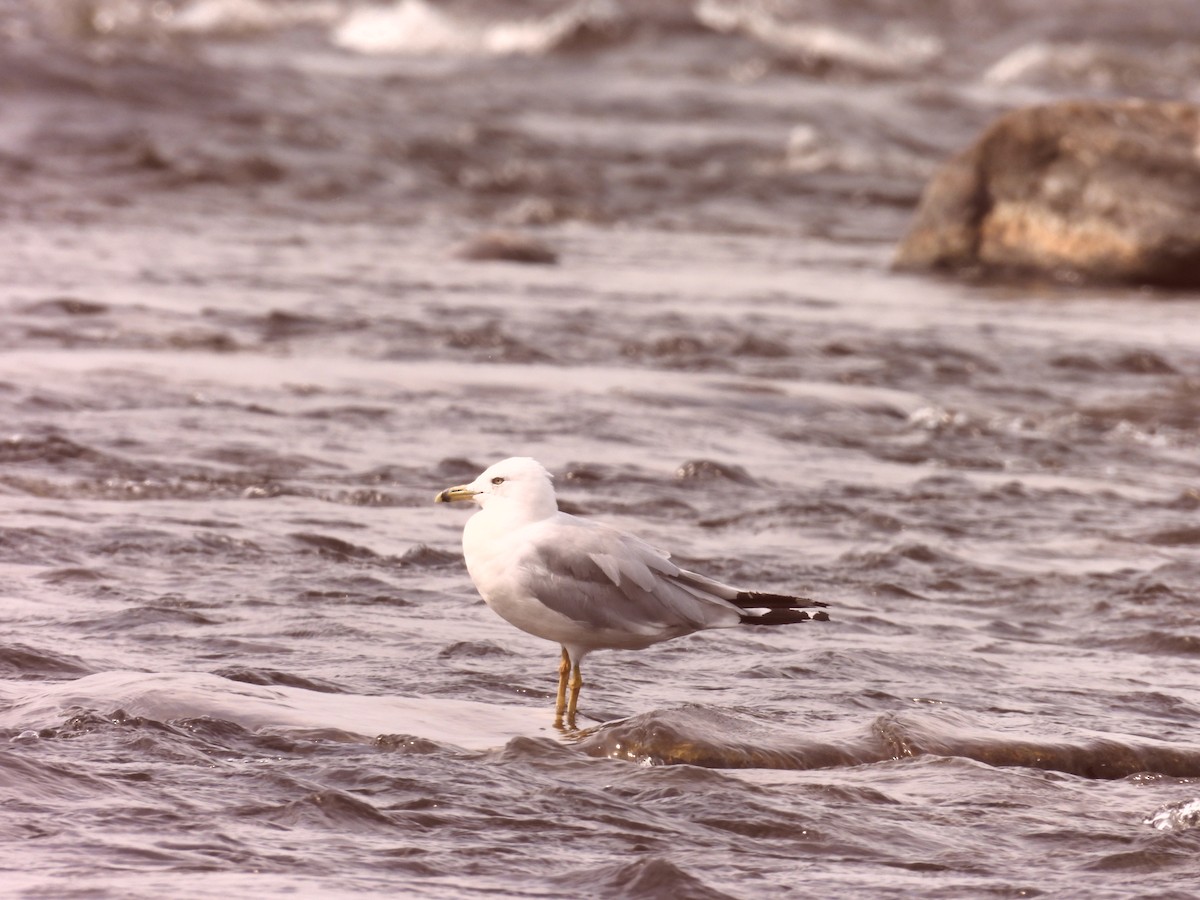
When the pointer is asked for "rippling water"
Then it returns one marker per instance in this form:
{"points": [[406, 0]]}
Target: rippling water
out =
{"points": [[248, 331]]}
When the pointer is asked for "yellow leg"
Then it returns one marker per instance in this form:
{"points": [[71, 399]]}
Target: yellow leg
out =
{"points": [[576, 684], [564, 669]]}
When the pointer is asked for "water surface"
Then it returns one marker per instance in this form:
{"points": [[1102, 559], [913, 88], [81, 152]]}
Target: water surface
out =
{"points": [[243, 349]]}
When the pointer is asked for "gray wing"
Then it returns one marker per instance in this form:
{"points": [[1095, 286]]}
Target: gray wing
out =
{"points": [[606, 579]]}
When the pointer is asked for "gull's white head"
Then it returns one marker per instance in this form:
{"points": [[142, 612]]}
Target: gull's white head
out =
{"points": [[519, 484]]}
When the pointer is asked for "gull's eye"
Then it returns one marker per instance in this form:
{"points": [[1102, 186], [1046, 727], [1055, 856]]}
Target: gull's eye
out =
{"points": [[497, 480]]}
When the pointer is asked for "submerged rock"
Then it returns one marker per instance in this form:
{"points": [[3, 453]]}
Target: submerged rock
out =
{"points": [[1081, 191], [726, 739], [507, 246]]}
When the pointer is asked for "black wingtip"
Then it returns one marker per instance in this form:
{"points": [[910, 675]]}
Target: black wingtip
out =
{"points": [[784, 617], [781, 609], [764, 600]]}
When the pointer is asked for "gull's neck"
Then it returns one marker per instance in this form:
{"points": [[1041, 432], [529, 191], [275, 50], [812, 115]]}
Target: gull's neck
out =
{"points": [[488, 532], [511, 513]]}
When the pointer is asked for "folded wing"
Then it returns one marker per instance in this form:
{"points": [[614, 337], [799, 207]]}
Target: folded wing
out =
{"points": [[607, 580]]}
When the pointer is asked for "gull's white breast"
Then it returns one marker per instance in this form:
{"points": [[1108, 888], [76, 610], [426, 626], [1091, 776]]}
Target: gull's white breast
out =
{"points": [[491, 549], [495, 553]]}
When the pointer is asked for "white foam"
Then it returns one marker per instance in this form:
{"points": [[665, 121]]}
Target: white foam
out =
{"points": [[243, 17], [896, 52], [1181, 816], [416, 27]]}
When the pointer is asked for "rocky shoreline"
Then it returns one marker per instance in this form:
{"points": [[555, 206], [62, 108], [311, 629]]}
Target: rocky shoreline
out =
{"points": [[1098, 192]]}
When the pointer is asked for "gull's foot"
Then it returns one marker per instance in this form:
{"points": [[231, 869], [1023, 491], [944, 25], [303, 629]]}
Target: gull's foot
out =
{"points": [[566, 725]]}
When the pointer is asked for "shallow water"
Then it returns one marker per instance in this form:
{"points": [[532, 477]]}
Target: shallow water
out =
{"points": [[243, 349]]}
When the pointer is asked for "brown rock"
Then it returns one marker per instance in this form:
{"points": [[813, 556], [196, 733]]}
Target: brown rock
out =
{"points": [[1087, 191]]}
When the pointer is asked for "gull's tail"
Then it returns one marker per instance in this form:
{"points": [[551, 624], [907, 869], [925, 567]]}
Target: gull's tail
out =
{"points": [[780, 608]]}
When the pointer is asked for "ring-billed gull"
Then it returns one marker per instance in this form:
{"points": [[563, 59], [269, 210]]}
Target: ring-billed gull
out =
{"points": [[587, 586]]}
